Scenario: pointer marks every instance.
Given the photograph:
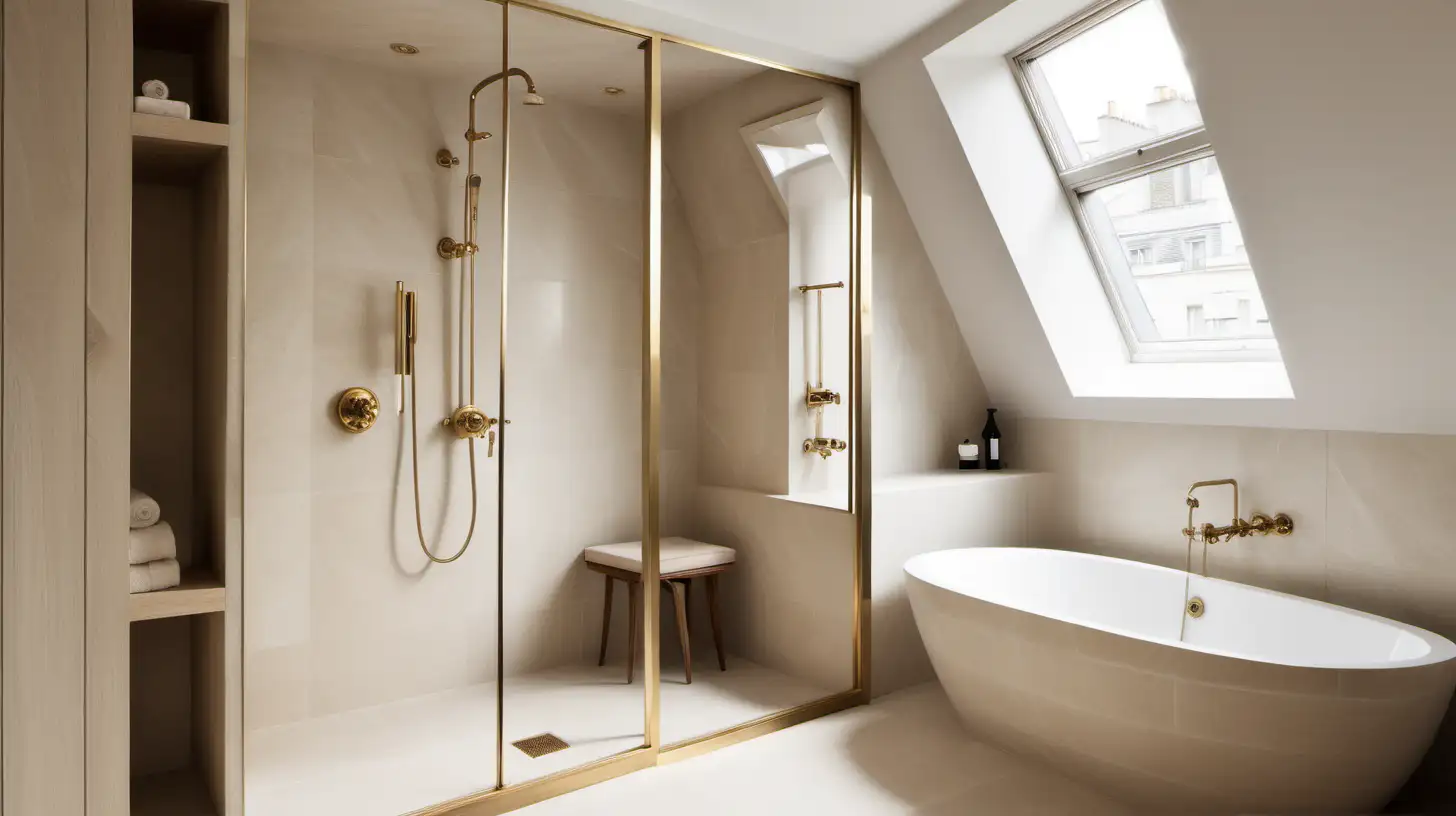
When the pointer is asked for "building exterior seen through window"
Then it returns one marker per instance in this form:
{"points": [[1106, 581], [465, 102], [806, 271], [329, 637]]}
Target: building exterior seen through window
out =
{"points": [[1118, 114]]}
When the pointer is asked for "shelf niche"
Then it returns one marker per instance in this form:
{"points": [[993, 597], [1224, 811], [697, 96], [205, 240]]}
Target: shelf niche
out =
{"points": [[177, 722], [184, 43]]}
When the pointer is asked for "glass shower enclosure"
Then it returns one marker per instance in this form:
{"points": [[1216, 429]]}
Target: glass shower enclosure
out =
{"points": [[444, 363]]}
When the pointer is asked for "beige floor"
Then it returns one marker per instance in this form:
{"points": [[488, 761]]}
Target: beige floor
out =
{"points": [[905, 754], [392, 759]]}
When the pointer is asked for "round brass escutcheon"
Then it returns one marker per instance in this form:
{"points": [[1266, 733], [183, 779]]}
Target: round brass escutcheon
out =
{"points": [[358, 409], [470, 422], [1195, 608]]}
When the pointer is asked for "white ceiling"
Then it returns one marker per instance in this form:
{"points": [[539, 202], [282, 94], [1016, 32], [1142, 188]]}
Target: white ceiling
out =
{"points": [[846, 32], [461, 40]]}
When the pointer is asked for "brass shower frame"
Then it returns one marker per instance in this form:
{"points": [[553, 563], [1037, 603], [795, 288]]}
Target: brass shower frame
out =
{"points": [[504, 798]]}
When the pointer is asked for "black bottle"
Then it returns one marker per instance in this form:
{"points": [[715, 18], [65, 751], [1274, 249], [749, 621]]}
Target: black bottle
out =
{"points": [[991, 442]]}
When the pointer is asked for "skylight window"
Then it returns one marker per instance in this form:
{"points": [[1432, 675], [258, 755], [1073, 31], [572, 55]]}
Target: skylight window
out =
{"points": [[1119, 116]]}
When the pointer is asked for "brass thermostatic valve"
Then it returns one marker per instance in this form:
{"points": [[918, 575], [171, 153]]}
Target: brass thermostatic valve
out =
{"points": [[824, 447], [358, 409], [470, 422]]}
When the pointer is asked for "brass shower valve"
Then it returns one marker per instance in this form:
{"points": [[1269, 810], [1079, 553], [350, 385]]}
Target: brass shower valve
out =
{"points": [[824, 447], [470, 422], [450, 249], [820, 397]]}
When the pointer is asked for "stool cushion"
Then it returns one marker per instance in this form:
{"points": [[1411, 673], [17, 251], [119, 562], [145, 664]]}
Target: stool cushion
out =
{"points": [[675, 555]]}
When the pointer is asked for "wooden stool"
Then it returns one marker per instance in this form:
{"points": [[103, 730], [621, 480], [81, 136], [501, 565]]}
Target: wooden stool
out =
{"points": [[680, 560]]}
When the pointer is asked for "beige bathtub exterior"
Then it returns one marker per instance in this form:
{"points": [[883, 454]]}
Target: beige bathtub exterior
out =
{"points": [[1174, 730]]}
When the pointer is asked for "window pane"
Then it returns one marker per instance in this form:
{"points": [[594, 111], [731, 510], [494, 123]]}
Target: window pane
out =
{"points": [[1174, 248], [1119, 84]]}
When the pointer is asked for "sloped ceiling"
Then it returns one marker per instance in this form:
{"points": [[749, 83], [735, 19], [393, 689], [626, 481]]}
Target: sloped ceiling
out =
{"points": [[833, 37], [1334, 126]]}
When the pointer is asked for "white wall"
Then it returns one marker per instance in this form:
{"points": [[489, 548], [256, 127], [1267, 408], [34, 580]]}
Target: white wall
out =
{"points": [[1335, 161]]}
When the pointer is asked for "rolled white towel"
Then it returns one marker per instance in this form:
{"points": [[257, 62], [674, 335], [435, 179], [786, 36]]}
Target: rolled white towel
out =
{"points": [[144, 510], [154, 543], [175, 108], [155, 575]]}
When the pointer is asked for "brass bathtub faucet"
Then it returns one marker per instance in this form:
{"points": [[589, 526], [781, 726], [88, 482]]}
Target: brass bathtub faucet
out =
{"points": [[1259, 523]]}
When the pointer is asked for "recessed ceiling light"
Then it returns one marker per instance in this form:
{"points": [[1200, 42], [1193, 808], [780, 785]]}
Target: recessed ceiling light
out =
{"points": [[612, 90], [403, 48]]}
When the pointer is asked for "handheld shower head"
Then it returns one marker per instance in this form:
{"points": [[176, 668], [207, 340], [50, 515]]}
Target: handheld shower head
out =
{"points": [[472, 203], [533, 98]]}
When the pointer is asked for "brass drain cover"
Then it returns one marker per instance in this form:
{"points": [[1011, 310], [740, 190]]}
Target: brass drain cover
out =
{"points": [[541, 745]]}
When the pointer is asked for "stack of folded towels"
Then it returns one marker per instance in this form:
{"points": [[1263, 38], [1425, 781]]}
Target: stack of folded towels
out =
{"points": [[152, 548]]}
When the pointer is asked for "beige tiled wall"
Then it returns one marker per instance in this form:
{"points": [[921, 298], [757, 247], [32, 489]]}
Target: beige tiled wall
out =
{"points": [[1372, 512]]}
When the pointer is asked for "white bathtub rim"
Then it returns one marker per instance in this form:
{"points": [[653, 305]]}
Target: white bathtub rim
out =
{"points": [[1439, 649]]}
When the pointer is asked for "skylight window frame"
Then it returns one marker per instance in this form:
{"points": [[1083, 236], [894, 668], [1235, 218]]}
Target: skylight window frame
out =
{"points": [[1080, 178]]}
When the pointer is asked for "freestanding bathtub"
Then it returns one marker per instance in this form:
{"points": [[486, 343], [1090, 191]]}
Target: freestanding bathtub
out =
{"points": [[1266, 703]]}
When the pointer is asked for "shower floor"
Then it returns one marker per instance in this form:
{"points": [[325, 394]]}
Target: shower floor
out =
{"points": [[392, 759]]}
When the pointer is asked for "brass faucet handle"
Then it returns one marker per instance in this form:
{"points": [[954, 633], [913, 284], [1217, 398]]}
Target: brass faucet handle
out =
{"points": [[1280, 525]]}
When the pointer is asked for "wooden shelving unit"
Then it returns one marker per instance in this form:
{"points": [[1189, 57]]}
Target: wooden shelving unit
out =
{"points": [[199, 593], [186, 416]]}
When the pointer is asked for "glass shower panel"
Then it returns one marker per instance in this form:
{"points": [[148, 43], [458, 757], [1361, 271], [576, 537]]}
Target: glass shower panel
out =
{"points": [[758, 542], [370, 635], [573, 369]]}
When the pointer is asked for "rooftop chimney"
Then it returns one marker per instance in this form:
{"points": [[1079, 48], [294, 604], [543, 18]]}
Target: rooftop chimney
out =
{"points": [[1112, 109], [1163, 93]]}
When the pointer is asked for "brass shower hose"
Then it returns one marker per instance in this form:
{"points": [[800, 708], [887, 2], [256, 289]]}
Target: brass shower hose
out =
{"points": [[415, 460]]}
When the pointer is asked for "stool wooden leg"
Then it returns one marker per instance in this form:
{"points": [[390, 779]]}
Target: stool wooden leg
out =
{"points": [[688, 601], [713, 618], [679, 600], [634, 629], [606, 622]]}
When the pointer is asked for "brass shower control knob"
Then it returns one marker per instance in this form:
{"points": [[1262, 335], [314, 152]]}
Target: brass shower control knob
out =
{"points": [[470, 422], [358, 409]]}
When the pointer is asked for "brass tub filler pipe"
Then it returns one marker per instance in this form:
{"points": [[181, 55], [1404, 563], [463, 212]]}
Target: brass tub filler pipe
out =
{"points": [[817, 397]]}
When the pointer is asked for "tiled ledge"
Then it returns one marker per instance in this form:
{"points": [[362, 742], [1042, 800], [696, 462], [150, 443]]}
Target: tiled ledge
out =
{"points": [[936, 479]]}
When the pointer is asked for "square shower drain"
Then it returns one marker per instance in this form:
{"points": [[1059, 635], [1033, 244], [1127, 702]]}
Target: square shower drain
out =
{"points": [[541, 745]]}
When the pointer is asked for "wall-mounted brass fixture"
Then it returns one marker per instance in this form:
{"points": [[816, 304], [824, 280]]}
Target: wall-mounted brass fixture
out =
{"points": [[817, 397], [1258, 524], [445, 158], [820, 397], [358, 409], [451, 249], [824, 447]]}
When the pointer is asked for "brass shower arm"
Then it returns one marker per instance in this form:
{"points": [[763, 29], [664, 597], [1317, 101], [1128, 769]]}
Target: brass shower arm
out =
{"points": [[484, 83]]}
